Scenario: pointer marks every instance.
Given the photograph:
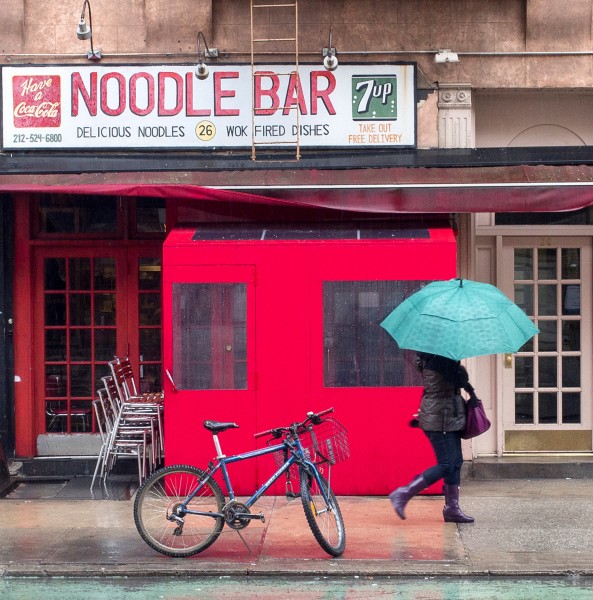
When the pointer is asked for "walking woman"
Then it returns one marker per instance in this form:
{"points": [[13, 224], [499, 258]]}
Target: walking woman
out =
{"points": [[442, 418]]}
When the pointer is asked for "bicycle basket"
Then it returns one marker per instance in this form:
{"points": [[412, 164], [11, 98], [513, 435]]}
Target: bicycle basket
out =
{"points": [[323, 443]]}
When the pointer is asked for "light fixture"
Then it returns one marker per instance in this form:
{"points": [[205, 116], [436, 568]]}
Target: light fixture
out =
{"points": [[85, 32], [443, 56], [202, 71], [330, 60]]}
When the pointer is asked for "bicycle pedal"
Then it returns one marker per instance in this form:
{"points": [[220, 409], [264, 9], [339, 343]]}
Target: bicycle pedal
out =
{"points": [[292, 495]]}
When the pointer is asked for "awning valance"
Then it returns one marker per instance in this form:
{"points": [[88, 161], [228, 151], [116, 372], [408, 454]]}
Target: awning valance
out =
{"points": [[542, 188]]}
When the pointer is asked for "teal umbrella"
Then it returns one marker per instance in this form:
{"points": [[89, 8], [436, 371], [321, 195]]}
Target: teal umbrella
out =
{"points": [[459, 318]]}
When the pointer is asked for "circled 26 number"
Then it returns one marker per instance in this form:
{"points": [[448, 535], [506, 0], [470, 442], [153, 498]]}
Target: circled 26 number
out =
{"points": [[205, 130]]}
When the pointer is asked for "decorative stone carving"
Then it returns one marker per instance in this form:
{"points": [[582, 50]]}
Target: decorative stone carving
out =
{"points": [[455, 116]]}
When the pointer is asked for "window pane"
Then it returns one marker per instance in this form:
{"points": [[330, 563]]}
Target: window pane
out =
{"points": [[80, 345], [150, 215], [55, 381], [571, 371], [524, 297], [80, 309], [548, 371], [104, 274], [523, 263], [571, 407], [150, 344], [571, 299], [358, 352], [56, 416], [54, 271], [546, 265], [210, 335], [80, 273], [105, 309], [548, 409], [546, 299], [548, 336], [105, 343], [77, 214], [523, 372], [55, 309], [55, 345], [80, 415], [149, 309], [150, 380], [523, 408], [571, 263], [81, 380], [149, 274], [571, 335]]}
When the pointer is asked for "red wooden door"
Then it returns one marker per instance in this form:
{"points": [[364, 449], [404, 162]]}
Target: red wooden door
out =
{"points": [[209, 353]]}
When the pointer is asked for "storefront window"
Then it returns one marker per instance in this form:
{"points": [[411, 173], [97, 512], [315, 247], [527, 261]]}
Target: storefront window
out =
{"points": [[77, 214], [150, 215], [358, 352], [576, 217]]}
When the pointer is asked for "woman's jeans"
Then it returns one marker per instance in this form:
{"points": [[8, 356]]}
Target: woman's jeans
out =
{"points": [[447, 449]]}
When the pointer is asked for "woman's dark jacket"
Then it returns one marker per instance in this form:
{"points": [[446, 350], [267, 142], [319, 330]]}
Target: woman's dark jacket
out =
{"points": [[442, 407]]}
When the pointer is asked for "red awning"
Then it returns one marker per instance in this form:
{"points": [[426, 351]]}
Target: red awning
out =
{"points": [[384, 190]]}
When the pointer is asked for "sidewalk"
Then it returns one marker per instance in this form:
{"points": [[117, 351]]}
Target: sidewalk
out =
{"points": [[523, 527]]}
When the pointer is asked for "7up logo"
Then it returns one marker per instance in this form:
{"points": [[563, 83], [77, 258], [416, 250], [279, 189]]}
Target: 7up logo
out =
{"points": [[374, 98]]}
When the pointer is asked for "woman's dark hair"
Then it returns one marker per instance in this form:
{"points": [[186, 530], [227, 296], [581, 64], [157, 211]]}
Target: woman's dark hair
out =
{"points": [[450, 369]]}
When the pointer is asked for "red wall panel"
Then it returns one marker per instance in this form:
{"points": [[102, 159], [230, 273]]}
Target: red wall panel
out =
{"points": [[287, 359]]}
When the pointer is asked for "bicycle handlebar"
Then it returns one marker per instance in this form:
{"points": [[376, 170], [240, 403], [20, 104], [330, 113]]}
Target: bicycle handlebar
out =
{"points": [[312, 417]]}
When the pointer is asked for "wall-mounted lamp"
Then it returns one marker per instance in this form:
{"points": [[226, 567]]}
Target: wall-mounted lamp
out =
{"points": [[202, 71], [85, 32], [443, 56], [330, 60]]}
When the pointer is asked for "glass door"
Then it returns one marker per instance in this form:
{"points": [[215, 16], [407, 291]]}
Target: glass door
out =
{"points": [[547, 383], [144, 318], [92, 304], [81, 312]]}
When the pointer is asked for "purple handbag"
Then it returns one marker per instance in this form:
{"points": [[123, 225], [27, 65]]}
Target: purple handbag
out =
{"points": [[476, 421]]}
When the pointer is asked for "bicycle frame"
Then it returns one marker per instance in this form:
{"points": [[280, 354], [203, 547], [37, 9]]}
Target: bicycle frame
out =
{"points": [[297, 456]]}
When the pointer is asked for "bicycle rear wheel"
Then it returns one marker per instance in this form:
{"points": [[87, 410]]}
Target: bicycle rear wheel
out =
{"points": [[161, 494], [325, 521]]}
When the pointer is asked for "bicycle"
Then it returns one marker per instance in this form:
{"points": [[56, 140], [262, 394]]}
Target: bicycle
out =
{"points": [[181, 510]]}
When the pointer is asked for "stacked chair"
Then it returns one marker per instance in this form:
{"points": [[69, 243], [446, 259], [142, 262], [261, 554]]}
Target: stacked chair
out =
{"points": [[130, 424]]}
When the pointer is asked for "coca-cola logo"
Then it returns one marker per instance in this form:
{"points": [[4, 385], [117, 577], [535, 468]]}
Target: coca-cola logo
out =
{"points": [[36, 101]]}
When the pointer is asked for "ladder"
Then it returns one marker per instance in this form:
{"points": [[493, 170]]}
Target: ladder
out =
{"points": [[259, 11]]}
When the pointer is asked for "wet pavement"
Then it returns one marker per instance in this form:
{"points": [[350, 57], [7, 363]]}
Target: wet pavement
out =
{"points": [[522, 528]]}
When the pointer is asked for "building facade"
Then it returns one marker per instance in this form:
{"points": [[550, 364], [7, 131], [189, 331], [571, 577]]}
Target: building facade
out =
{"points": [[490, 141]]}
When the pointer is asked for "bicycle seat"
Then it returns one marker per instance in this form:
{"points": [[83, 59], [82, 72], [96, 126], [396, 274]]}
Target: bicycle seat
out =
{"points": [[217, 426]]}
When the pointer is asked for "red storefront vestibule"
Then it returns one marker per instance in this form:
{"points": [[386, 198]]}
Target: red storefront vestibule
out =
{"points": [[246, 339]]}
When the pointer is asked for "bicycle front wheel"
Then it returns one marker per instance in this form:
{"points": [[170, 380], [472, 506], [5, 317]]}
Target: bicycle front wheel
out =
{"points": [[325, 520], [159, 497]]}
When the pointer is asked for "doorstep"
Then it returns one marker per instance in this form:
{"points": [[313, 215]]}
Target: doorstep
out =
{"points": [[557, 466], [530, 466], [65, 467]]}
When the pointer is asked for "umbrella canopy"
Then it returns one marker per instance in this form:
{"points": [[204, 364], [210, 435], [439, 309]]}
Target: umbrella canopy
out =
{"points": [[459, 318]]}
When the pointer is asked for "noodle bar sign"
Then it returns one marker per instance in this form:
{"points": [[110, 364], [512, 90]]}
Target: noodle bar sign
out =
{"points": [[57, 107]]}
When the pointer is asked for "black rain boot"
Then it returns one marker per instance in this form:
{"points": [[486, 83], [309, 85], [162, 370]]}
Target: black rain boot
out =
{"points": [[451, 511], [401, 496]]}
